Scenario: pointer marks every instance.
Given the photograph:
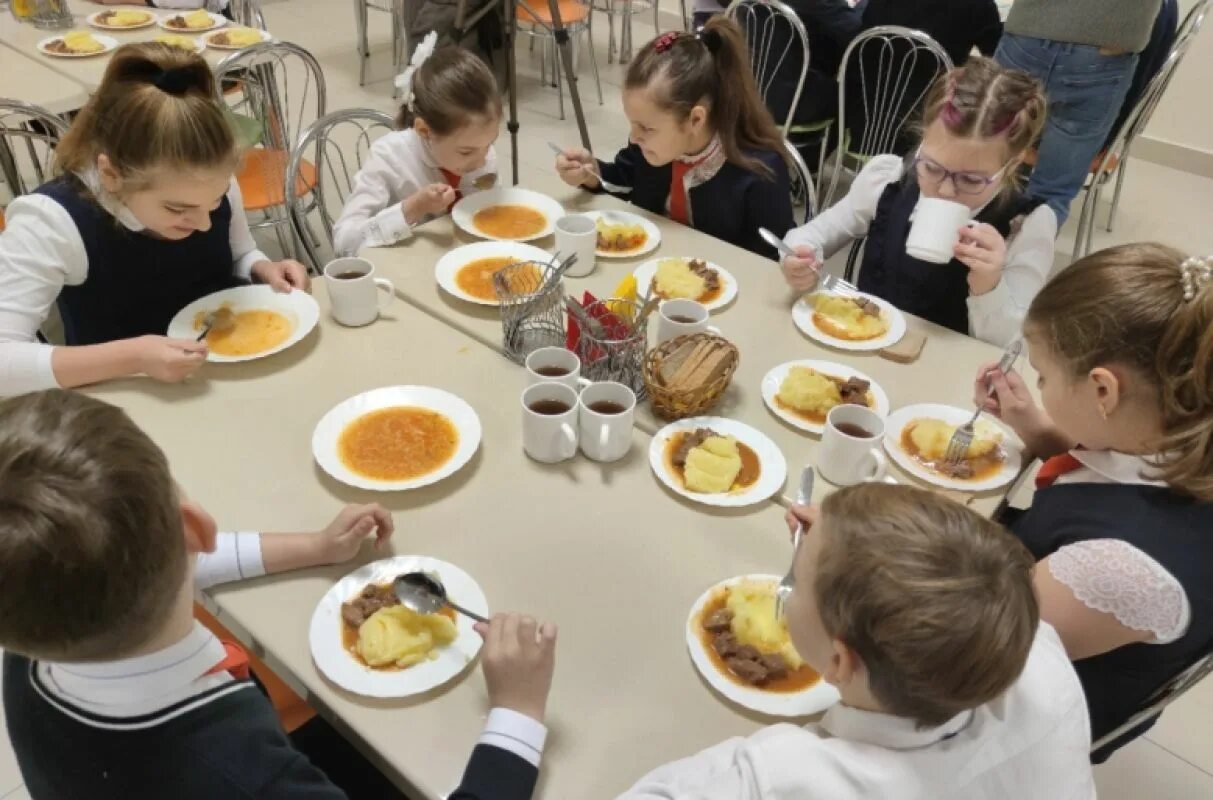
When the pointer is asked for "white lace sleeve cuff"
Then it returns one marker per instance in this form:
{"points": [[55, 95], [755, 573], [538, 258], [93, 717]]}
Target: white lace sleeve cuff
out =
{"points": [[1114, 577]]}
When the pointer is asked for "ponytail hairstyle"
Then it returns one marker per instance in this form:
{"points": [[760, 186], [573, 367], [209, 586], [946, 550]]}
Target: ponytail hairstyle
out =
{"points": [[446, 88], [983, 100], [155, 107], [1149, 308], [710, 68]]}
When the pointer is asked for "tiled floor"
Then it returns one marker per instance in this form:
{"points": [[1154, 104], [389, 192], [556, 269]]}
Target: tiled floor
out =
{"points": [[1175, 760]]}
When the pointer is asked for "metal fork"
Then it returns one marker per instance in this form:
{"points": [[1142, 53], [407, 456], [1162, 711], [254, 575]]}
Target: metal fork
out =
{"points": [[804, 496], [614, 188], [958, 445], [826, 281]]}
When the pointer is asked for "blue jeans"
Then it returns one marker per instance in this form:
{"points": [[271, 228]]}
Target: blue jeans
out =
{"points": [[1086, 90]]}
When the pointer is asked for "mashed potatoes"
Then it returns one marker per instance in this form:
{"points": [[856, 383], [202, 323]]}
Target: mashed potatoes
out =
{"points": [[675, 279], [754, 621], [198, 19], [178, 41], [82, 42], [396, 636], [805, 389], [931, 436], [713, 466], [126, 19], [845, 317]]}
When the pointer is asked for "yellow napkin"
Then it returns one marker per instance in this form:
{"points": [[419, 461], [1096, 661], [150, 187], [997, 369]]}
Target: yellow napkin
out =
{"points": [[626, 290]]}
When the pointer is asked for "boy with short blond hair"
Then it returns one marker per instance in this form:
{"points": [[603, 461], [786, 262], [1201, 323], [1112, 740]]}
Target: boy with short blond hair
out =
{"points": [[113, 691], [922, 613]]}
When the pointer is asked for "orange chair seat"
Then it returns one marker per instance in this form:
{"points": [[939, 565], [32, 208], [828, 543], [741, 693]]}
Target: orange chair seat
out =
{"points": [[263, 174], [571, 12], [1, 220]]}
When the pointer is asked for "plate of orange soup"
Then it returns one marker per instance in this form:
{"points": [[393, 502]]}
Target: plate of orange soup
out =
{"points": [[396, 438], [262, 322], [507, 214], [467, 272]]}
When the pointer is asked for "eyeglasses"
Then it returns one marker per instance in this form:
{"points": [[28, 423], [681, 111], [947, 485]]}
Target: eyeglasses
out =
{"points": [[965, 182]]}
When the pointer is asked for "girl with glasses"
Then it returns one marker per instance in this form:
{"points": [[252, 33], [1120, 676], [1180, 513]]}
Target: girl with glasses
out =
{"points": [[978, 124]]}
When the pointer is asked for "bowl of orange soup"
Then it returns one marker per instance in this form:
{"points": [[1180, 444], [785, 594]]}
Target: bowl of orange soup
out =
{"points": [[257, 322], [507, 214], [467, 272]]}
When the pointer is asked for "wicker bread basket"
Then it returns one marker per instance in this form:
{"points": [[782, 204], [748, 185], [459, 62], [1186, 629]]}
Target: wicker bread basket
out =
{"points": [[687, 375]]}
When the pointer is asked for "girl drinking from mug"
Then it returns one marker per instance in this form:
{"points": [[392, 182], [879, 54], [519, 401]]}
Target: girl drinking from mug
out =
{"points": [[145, 219], [704, 150], [978, 123], [1122, 520], [449, 118]]}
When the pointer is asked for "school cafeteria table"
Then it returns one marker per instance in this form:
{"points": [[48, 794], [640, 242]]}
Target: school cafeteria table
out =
{"points": [[604, 551], [23, 78], [759, 322]]}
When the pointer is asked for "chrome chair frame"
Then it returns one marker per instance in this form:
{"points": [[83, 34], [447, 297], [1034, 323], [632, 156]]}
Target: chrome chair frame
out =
{"points": [[395, 9], [1164, 697], [27, 151], [549, 46], [802, 183], [760, 34]]}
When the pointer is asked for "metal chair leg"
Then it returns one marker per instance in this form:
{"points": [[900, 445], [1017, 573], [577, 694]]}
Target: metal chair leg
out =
{"points": [[1080, 235], [589, 34], [656, 21], [611, 31], [1120, 182], [686, 18], [556, 71], [364, 47]]}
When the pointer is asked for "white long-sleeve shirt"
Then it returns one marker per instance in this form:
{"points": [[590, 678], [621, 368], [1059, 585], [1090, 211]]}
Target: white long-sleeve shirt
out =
{"points": [[41, 251], [398, 165], [996, 316], [1032, 742]]}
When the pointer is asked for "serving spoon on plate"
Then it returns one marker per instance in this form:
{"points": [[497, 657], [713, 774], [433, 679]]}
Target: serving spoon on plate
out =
{"points": [[425, 594]]}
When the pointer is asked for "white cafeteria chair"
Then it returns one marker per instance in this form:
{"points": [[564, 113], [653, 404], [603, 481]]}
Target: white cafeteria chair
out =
{"points": [[775, 37], [803, 191]]}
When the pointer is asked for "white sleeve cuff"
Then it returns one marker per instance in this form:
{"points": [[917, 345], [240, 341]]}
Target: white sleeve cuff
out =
{"points": [[237, 556], [517, 733], [387, 227], [244, 265], [26, 367]]}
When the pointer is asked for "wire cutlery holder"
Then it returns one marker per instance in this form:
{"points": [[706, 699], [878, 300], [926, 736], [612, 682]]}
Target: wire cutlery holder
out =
{"points": [[532, 308], [614, 352], [47, 14]]}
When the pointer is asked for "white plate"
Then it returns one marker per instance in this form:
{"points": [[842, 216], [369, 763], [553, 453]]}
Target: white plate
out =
{"points": [[217, 21], [199, 45], [627, 218], [92, 20], [645, 273], [328, 431], [466, 208], [812, 700], [209, 39], [802, 315], [449, 265], [108, 45], [898, 420], [325, 633], [770, 481], [299, 307], [774, 379]]}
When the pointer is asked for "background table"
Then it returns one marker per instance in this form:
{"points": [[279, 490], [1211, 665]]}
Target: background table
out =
{"points": [[23, 78]]}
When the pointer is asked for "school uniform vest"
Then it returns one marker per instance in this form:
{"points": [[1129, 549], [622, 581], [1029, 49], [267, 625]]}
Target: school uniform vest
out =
{"points": [[936, 292], [1175, 531], [136, 282]]}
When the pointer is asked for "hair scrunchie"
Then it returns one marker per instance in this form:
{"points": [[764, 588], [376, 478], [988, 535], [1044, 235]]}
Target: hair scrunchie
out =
{"points": [[404, 81], [175, 81]]}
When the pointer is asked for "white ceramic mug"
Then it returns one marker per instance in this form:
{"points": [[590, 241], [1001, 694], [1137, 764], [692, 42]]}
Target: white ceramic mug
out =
{"points": [[555, 364], [850, 446], [608, 411], [682, 318], [577, 234], [549, 434], [936, 224], [354, 297]]}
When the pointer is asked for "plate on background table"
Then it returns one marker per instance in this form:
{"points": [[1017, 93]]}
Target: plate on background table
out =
{"points": [[108, 45], [447, 268], [298, 307], [896, 423], [325, 635], [328, 433], [195, 45], [800, 703], [774, 468], [217, 21], [464, 212], [802, 316], [651, 231], [645, 273], [774, 379], [94, 19], [214, 38]]}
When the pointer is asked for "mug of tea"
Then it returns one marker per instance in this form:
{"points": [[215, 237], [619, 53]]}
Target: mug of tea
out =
{"points": [[577, 234], [850, 446], [682, 318], [549, 422], [936, 224], [555, 364], [607, 412], [354, 297]]}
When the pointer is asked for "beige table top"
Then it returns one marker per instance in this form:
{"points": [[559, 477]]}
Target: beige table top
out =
{"points": [[759, 322], [606, 552], [23, 78], [86, 71]]}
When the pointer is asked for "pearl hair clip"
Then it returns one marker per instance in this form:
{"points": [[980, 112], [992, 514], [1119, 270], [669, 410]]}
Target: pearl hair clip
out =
{"points": [[1194, 275]]}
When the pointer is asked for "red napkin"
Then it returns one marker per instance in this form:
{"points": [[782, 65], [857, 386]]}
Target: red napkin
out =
{"points": [[615, 327]]}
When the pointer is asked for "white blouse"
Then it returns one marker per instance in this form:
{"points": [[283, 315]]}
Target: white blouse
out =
{"points": [[996, 316], [1112, 576], [41, 251], [398, 165]]}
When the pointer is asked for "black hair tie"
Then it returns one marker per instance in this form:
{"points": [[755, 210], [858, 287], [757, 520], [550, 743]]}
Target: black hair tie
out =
{"points": [[176, 81], [710, 38]]}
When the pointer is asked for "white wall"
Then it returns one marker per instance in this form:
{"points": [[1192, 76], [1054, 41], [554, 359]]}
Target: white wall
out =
{"points": [[1182, 127]]}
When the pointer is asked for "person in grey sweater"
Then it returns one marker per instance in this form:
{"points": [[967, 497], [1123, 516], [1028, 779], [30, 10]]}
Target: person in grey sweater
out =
{"points": [[1084, 52]]}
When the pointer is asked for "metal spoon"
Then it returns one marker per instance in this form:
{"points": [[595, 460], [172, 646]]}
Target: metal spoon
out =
{"points": [[610, 187], [425, 594]]}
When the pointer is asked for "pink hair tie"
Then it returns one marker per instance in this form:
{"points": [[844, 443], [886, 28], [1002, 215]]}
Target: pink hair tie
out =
{"points": [[666, 40], [952, 116], [1008, 126]]}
